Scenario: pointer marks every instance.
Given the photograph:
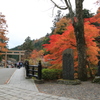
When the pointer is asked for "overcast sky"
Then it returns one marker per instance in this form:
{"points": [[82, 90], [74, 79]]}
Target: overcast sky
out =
{"points": [[31, 18]]}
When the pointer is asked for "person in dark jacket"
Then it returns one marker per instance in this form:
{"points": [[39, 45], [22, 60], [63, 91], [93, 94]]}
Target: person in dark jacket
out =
{"points": [[26, 64]]}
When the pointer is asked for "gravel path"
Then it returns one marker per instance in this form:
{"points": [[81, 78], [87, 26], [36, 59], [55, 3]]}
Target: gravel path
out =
{"points": [[84, 91]]}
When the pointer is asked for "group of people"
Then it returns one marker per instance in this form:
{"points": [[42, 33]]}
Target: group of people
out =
{"points": [[19, 64]]}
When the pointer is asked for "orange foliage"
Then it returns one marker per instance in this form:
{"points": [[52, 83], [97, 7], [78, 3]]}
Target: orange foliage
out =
{"points": [[95, 18], [58, 43], [3, 32], [98, 11], [37, 55], [61, 25]]}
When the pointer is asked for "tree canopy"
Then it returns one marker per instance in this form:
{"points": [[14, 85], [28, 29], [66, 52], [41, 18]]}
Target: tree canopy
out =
{"points": [[3, 33]]}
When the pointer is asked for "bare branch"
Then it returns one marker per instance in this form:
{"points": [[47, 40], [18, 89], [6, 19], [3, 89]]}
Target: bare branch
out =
{"points": [[68, 4], [53, 10], [82, 1], [59, 6]]}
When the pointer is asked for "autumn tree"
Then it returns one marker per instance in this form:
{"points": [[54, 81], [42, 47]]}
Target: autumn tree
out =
{"points": [[3, 33], [58, 43], [36, 56], [61, 25], [79, 34], [62, 22], [95, 20], [56, 19], [98, 11]]}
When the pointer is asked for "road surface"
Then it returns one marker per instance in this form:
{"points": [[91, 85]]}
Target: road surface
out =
{"points": [[5, 74]]}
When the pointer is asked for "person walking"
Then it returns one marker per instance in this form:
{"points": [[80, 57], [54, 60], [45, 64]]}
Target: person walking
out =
{"points": [[18, 65]]}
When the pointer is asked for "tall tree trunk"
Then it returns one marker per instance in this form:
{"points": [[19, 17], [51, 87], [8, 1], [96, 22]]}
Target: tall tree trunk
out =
{"points": [[79, 33], [89, 69], [80, 39]]}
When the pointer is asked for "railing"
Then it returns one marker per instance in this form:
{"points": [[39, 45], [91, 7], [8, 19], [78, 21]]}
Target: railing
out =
{"points": [[33, 70]]}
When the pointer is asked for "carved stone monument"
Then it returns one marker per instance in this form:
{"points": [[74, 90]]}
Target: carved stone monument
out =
{"points": [[68, 64]]}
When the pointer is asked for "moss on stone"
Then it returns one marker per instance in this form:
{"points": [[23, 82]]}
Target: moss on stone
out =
{"points": [[96, 79], [69, 82], [39, 81]]}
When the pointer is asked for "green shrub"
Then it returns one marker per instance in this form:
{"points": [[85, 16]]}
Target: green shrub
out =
{"points": [[51, 74]]}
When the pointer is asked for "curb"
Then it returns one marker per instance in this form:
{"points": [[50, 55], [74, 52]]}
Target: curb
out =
{"points": [[8, 81]]}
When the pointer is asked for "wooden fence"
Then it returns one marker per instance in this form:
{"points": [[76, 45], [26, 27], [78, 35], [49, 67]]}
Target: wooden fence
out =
{"points": [[34, 70]]}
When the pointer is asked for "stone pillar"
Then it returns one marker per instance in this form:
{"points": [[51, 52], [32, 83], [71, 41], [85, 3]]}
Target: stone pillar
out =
{"points": [[5, 60], [19, 56], [68, 64]]}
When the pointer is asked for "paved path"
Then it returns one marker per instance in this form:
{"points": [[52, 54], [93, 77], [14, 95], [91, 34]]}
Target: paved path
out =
{"points": [[5, 74], [19, 88]]}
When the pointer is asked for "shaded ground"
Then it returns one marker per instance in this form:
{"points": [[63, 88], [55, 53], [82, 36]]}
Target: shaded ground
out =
{"points": [[5, 74], [84, 91]]}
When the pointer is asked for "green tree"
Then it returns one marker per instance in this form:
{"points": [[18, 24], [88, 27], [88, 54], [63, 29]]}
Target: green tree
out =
{"points": [[56, 19], [87, 14], [28, 46]]}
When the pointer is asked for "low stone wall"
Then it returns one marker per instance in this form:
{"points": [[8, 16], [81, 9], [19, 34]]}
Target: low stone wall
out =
{"points": [[68, 82]]}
